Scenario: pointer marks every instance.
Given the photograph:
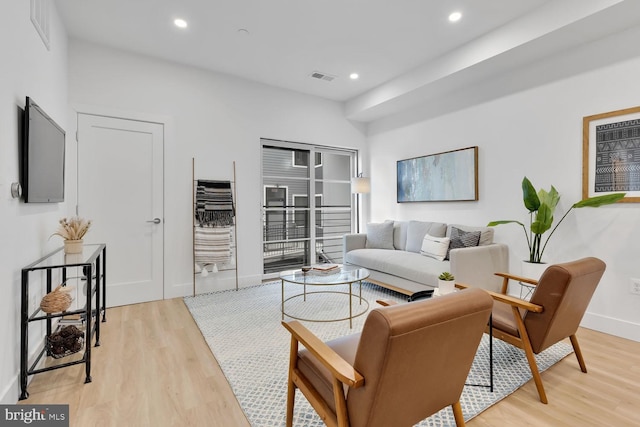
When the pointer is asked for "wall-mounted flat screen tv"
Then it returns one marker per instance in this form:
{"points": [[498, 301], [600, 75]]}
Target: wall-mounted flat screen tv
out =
{"points": [[42, 156]]}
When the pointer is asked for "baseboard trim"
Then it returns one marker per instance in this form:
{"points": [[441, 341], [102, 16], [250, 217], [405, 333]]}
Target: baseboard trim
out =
{"points": [[611, 326], [215, 284], [11, 393]]}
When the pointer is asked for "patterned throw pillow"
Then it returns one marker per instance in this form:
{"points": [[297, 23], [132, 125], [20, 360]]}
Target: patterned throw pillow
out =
{"points": [[462, 239]]}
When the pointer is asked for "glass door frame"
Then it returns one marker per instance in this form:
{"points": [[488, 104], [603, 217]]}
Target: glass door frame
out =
{"points": [[312, 209]]}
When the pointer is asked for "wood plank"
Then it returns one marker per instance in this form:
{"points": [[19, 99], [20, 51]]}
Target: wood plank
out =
{"points": [[153, 368]]}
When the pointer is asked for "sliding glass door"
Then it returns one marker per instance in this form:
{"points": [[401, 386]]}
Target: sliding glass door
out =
{"points": [[306, 204]]}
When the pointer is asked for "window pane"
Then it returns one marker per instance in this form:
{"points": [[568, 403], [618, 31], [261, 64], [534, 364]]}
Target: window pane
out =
{"points": [[285, 162], [333, 166], [334, 193]]}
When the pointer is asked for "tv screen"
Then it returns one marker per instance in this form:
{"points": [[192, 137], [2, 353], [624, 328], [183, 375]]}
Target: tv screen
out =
{"points": [[43, 157]]}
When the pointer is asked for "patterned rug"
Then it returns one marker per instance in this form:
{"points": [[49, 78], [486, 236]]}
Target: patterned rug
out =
{"points": [[243, 330]]}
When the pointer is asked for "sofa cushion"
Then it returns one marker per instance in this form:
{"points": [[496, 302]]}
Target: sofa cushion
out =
{"points": [[486, 233], [407, 265], [435, 247], [462, 239], [400, 234], [416, 231], [380, 235]]}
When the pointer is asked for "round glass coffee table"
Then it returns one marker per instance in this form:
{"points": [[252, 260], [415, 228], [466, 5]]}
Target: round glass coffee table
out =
{"points": [[341, 275]]}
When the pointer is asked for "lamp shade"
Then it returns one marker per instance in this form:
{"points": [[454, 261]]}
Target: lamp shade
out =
{"points": [[360, 185]]}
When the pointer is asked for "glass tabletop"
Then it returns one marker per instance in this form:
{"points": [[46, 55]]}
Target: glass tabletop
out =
{"points": [[340, 275], [58, 258]]}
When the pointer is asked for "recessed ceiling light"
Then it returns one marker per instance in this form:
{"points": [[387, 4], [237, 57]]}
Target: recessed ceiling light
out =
{"points": [[354, 76], [455, 16], [180, 23]]}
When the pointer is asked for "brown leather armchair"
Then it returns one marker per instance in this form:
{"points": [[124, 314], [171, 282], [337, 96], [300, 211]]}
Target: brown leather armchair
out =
{"points": [[410, 361], [553, 313]]}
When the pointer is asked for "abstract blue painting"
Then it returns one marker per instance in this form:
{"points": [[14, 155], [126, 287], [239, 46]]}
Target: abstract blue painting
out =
{"points": [[442, 177]]}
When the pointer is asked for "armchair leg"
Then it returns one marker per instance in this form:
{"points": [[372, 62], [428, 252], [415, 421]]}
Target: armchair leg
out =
{"points": [[457, 413], [535, 372], [291, 394], [528, 351], [291, 387], [578, 352]]}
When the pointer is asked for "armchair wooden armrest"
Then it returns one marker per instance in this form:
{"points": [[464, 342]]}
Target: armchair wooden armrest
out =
{"points": [[506, 277], [386, 302], [339, 368], [508, 299], [518, 278]]}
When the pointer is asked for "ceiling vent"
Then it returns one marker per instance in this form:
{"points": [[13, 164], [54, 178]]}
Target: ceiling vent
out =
{"points": [[40, 19], [322, 76]]}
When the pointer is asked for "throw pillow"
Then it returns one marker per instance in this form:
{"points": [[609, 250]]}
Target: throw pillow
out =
{"points": [[400, 234], [435, 247], [416, 231], [486, 233], [380, 235], [462, 239]]}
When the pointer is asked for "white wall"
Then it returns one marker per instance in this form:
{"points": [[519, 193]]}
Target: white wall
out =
{"points": [[27, 68], [215, 119], [536, 133]]}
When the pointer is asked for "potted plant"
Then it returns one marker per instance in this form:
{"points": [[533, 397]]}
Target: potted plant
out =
{"points": [[72, 230], [541, 206], [446, 283]]}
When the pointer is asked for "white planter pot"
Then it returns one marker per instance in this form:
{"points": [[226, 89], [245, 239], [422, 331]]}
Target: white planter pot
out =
{"points": [[73, 246], [533, 270], [446, 286]]}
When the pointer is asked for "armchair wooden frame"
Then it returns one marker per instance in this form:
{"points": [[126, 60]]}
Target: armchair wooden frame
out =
{"points": [[341, 370], [522, 341]]}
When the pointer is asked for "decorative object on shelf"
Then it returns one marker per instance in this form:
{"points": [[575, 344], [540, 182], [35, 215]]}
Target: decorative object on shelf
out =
{"points": [[446, 283], [57, 300], [541, 205], [73, 246], [72, 230], [66, 341], [442, 177], [609, 162]]}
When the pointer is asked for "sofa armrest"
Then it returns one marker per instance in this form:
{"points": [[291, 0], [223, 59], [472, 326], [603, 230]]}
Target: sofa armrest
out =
{"points": [[355, 241], [477, 265]]}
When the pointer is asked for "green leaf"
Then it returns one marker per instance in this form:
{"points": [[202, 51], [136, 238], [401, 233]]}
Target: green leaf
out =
{"points": [[529, 196], [550, 198], [594, 202], [494, 223], [543, 221]]}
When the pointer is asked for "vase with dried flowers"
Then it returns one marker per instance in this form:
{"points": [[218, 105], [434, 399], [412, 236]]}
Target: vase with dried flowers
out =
{"points": [[72, 230]]}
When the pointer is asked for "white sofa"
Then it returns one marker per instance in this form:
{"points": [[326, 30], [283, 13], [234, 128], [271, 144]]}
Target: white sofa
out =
{"points": [[400, 255]]}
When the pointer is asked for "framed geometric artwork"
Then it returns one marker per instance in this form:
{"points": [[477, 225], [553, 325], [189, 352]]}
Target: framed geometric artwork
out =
{"points": [[442, 177], [611, 154]]}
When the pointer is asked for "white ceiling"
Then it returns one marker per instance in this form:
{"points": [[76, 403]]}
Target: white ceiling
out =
{"points": [[397, 47]]}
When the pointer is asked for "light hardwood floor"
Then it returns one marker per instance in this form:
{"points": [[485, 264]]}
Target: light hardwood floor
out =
{"points": [[155, 369]]}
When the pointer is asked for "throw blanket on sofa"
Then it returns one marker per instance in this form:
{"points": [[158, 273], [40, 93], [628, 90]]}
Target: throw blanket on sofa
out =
{"points": [[214, 203]]}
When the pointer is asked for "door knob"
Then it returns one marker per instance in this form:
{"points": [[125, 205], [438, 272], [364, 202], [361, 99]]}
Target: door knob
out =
{"points": [[155, 221]]}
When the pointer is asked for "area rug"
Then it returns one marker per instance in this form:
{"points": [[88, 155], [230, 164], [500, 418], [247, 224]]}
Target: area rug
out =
{"points": [[243, 330]]}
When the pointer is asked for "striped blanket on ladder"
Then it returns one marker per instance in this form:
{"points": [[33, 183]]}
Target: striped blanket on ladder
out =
{"points": [[214, 215]]}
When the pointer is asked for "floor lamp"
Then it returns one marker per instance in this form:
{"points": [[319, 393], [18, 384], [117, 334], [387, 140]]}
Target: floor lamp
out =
{"points": [[359, 185]]}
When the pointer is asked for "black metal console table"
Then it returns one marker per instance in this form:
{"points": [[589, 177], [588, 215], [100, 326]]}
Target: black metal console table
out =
{"points": [[93, 262]]}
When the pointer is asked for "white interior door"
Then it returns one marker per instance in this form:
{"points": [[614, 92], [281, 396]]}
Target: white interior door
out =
{"points": [[120, 188]]}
